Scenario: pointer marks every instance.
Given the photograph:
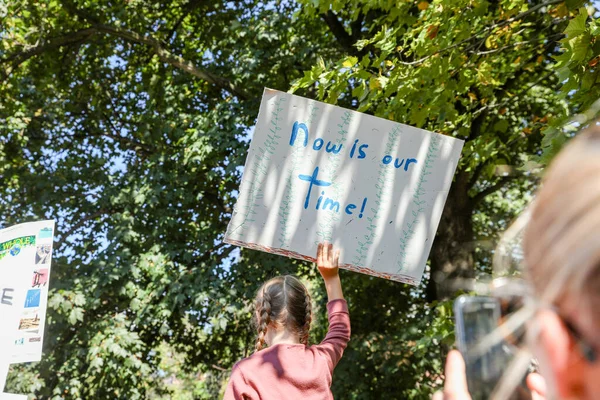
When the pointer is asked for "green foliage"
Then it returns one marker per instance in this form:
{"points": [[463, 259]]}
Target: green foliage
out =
{"points": [[443, 67], [577, 67], [182, 385], [138, 160], [128, 122]]}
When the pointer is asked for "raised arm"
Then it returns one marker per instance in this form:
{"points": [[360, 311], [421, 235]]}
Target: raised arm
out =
{"points": [[338, 335]]}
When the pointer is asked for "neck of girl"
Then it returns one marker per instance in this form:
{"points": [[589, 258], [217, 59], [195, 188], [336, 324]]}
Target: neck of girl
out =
{"points": [[281, 336]]}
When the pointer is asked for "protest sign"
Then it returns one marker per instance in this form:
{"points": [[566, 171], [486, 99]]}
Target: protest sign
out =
{"points": [[9, 396], [10, 322], [25, 255], [374, 188], [3, 373]]}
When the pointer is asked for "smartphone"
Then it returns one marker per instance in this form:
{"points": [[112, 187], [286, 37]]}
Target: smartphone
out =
{"points": [[476, 317]]}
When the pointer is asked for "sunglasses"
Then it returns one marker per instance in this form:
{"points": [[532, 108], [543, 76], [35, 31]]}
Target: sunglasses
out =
{"points": [[512, 295], [587, 350]]}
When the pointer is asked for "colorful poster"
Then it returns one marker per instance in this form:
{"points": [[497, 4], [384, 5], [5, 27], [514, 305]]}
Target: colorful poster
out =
{"points": [[373, 187], [25, 260]]}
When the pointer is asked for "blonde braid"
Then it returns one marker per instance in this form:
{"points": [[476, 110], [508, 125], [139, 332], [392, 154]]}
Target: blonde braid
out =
{"points": [[264, 318]]}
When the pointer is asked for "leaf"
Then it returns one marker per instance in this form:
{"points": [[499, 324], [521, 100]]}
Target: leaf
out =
{"points": [[589, 79], [419, 116], [432, 31], [360, 44], [423, 5], [374, 83], [576, 26], [501, 126], [350, 61], [574, 4], [75, 315], [321, 62], [560, 11], [383, 80], [580, 46]]}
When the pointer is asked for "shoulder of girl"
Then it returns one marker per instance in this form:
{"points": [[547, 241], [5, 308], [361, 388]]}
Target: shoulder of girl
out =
{"points": [[239, 367], [245, 363]]}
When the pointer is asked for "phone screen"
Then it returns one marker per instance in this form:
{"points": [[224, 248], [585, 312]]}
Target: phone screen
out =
{"points": [[477, 317]]}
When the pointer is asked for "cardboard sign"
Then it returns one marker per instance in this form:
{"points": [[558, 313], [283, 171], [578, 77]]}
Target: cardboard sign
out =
{"points": [[25, 256], [374, 188], [8, 396]]}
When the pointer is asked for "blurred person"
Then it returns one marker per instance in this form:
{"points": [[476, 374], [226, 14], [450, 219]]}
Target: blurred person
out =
{"points": [[561, 245]]}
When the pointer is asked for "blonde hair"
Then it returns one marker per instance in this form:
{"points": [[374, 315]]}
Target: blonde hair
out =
{"points": [[559, 238], [562, 238], [283, 301]]}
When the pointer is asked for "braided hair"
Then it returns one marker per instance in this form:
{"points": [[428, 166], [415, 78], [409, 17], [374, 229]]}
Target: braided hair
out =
{"points": [[307, 317], [283, 302], [264, 318]]}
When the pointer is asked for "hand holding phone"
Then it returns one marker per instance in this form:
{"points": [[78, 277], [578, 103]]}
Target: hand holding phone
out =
{"points": [[477, 317], [455, 385], [455, 382]]}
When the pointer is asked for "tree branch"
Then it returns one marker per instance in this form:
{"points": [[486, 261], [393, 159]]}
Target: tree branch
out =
{"points": [[534, 40], [476, 174], [132, 144], [78, 225], [512, 98], [484, 30], [491, 189], [187, 10], [476, 126], [219, 202], [521, 70], [339, 31], [219, 368], [356, 27], [129, 143], [482, 112], [16, 59], [174, 60]]}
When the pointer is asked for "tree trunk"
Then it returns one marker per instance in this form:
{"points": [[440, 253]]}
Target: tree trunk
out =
{"points": [[452, 253]]}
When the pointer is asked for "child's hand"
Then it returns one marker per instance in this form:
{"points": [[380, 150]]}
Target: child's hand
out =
{"points": [[327, 260]]}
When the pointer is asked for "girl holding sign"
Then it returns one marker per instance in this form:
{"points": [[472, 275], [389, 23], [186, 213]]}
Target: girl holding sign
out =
{"points": [[289, 368]]}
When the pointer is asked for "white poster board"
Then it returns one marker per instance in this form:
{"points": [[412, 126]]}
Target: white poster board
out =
{"points": [[10, 396], [3, 374], [374, 188], [25, 258]]}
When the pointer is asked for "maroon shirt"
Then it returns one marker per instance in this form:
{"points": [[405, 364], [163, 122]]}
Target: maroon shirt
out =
{"points": [[293, 371]]}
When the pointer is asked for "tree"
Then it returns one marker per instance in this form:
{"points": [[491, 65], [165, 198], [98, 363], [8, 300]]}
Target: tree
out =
{"points": [[480, 71], [128, 122]]}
